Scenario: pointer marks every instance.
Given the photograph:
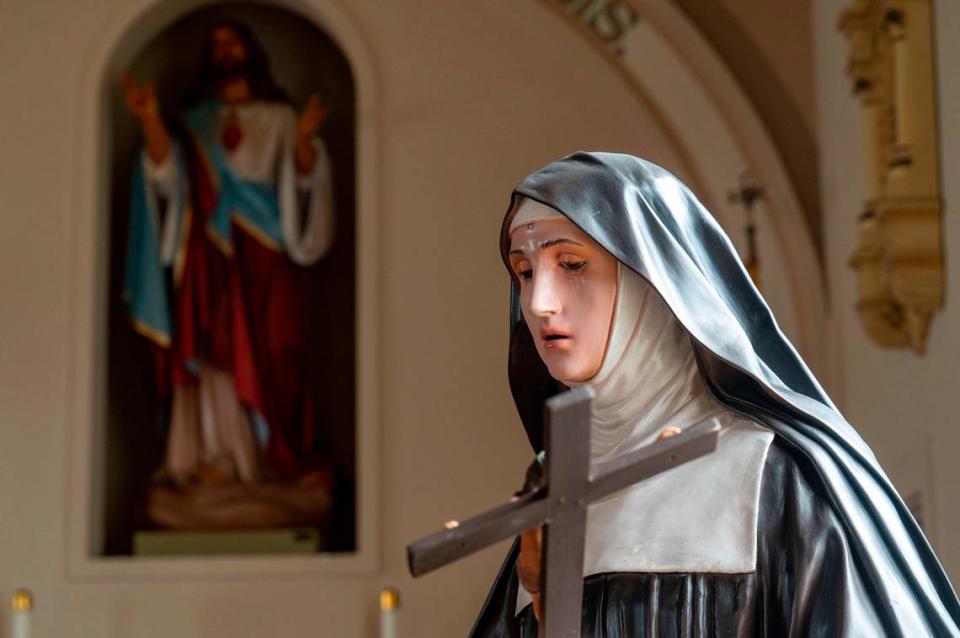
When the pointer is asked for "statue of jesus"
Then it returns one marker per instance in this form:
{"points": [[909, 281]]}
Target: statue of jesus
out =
{"points": [[229, 206]]}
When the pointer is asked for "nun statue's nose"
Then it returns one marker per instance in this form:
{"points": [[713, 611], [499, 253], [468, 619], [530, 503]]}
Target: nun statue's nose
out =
{"points": [[544, 298]]}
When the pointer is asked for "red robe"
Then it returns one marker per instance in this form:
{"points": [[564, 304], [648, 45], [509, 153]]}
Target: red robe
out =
{"points": [[239, 307]]}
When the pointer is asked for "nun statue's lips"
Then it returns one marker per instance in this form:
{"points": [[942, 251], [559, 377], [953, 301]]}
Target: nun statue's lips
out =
{"points": [[552, 334], [554, 339]]}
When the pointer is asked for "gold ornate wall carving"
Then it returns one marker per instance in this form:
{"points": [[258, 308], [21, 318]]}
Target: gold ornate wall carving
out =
{"points": [[899, 255]]}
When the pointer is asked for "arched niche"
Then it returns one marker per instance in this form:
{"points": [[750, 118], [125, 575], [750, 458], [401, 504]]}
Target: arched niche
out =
{"points": [[132, 41], [719, 136]]}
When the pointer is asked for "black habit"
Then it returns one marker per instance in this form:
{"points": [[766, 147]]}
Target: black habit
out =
{"points": [[838, 553]]}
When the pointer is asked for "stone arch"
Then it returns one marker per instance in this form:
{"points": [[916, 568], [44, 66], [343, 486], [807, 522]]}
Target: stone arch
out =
{"points": [[676, 73]]}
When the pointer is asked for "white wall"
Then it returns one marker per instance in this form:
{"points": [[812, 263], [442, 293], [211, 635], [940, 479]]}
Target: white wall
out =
{"points": [[904, 405], [783, 31], [470, 101]]}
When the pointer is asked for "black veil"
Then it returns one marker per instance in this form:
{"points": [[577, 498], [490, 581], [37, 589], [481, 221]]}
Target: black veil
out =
{"points": [[653, 224]]}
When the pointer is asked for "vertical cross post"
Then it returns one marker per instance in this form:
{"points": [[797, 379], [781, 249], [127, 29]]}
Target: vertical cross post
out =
{"points": [[567, 468]]}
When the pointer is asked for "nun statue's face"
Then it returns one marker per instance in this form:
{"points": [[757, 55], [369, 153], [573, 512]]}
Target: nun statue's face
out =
{"points": [[568, 286]]}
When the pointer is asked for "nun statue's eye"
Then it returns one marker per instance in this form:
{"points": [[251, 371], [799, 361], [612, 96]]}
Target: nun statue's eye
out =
{"points": [[524, 270], [573, 264]]}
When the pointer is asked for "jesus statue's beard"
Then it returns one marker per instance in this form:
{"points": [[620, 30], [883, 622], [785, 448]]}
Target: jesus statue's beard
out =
{"points": [[230, 71]]}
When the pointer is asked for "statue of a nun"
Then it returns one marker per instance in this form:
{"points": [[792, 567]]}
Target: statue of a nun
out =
{"points": [[624, 282]]}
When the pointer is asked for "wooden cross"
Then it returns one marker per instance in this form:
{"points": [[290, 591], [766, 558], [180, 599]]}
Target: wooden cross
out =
{"points": [[560, 505]]}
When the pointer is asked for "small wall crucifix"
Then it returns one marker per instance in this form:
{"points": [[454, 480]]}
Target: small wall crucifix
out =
{"points": [[747, 194]]}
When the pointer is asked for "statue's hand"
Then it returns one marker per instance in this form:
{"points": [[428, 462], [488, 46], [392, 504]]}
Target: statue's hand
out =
{"points": [[141, 99], [312, 118], [669, 432], [528, 565]]}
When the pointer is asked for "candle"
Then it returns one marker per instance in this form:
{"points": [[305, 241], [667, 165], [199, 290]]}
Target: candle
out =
{"points": [[389, 607], [22, 605]]}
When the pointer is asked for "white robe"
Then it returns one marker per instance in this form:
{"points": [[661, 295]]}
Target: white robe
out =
{"points": [[209, 426], [265, 154]]}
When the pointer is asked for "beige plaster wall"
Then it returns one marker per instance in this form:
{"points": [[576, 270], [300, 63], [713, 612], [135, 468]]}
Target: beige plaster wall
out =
{"points": [[471, 99], [904, 405], [783, 31]]}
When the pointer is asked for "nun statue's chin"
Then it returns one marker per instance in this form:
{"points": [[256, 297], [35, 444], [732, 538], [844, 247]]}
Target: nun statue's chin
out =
{"points": [[829, 548]]}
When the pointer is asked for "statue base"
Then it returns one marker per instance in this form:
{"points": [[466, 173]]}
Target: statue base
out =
{"points": [[223, 543], [235, 506]]}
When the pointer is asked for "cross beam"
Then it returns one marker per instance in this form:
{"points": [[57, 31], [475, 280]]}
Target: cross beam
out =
{"points": [[560, 505]]}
